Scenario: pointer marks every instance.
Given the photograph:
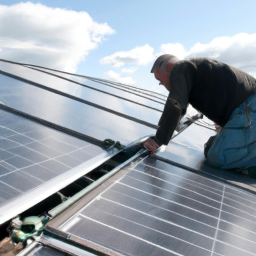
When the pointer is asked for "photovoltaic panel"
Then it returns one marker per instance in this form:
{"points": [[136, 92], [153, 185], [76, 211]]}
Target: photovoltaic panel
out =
{"points": [[69, 113], [129, 89], [160, 209], [187, 150], [113, 89], [116, 104], [194, 137], [36, 161]]}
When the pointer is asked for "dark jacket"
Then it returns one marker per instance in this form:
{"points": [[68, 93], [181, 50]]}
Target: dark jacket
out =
{"points": [[212, 87]]}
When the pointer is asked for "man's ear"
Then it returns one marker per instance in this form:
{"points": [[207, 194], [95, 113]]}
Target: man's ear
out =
{"points": [[169, 66]]}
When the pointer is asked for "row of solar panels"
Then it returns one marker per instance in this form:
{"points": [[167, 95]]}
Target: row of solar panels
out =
{"points": [[157, 205], [51, 128], [166, 204]]}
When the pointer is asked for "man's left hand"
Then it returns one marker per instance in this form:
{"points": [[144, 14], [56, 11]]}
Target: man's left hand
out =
{"points": [[151, 145]]}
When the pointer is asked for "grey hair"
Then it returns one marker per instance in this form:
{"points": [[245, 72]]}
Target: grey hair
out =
{"points": [[161, 62]]}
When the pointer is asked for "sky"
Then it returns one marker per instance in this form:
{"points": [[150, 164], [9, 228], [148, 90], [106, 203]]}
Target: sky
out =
{"points": [[119, 40]]}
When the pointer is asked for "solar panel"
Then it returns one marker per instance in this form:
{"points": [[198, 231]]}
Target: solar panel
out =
{"points": [[36, 161], [160, 209], [71, 114], [151, 101], [141, 112], [186, 150], [194, 137], [75, 89], [130, 89]]}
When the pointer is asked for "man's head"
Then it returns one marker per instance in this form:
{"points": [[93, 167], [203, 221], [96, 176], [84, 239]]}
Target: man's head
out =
{"points": [[162, 69]]}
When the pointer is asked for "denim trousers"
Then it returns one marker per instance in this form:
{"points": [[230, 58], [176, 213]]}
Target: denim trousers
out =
{"points": [[235, 145]]}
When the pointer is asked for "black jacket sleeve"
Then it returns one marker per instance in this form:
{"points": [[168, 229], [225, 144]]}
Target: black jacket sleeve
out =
{"points": [[182, 79]]}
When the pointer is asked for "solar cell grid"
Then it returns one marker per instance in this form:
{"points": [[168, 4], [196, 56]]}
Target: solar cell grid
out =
{"points": [[32, 154], [175, 211]]}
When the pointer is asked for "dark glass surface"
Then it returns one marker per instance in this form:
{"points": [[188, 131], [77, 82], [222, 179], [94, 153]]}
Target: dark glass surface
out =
{"points": [[186, 175], [228, 250], [166, 195], [69, 161], [236, 241], [7, 192], [231, 204], [126, 243], [241, 212], [28, 153], [18, 162], [39, 172], [241, 232], [143, 227], [158, 213], [168, 185], [5, 155], [239, 221], [194, 136], [180, 182], [241, 197], [20, 181], [102, 99], [161, 207], [68, 113], [167, 206]]}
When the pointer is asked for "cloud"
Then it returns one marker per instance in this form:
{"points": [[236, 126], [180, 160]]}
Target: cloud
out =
{"points": [[140, 55], [117, 77], [52, 37], [175, 49], [129, 70], [238, 51]]}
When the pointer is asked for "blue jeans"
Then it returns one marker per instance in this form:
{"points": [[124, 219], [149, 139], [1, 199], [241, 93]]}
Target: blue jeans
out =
{"points": [[235, 145]]}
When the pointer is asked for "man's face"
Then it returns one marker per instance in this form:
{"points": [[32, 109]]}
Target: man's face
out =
{"points": [[163, 78]]}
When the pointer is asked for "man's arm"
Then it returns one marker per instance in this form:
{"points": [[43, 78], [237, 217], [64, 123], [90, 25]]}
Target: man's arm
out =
{"points": [[182, 79], [167, 125], [168, 122]]}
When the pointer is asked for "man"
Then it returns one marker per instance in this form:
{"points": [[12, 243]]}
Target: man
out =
{"points": [[221, 92]]}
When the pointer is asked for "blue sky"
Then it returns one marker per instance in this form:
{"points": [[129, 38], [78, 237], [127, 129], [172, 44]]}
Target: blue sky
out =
{"points": [[139, 23]]}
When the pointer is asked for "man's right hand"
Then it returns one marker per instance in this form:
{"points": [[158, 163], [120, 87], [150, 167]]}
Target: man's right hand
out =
{"points": [[151, 145]]}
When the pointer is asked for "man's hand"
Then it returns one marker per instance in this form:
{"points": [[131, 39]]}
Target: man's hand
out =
{"points": [[151, 145], [218, 128]]}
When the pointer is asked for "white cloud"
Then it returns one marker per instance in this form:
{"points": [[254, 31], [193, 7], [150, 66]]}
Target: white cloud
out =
{"points": [[56, 38], [238, 51], [140, 55], [129, 70], [111, 75], [175, 49]]}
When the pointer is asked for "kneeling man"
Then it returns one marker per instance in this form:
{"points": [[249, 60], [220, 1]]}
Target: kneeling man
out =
{"points": [[224, 94]]}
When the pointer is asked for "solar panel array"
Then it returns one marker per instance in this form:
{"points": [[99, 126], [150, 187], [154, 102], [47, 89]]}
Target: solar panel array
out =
{"points": [[34, 157], [71, 114], [137, 107], [160, 209], [32, 154], [131, 89]]}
